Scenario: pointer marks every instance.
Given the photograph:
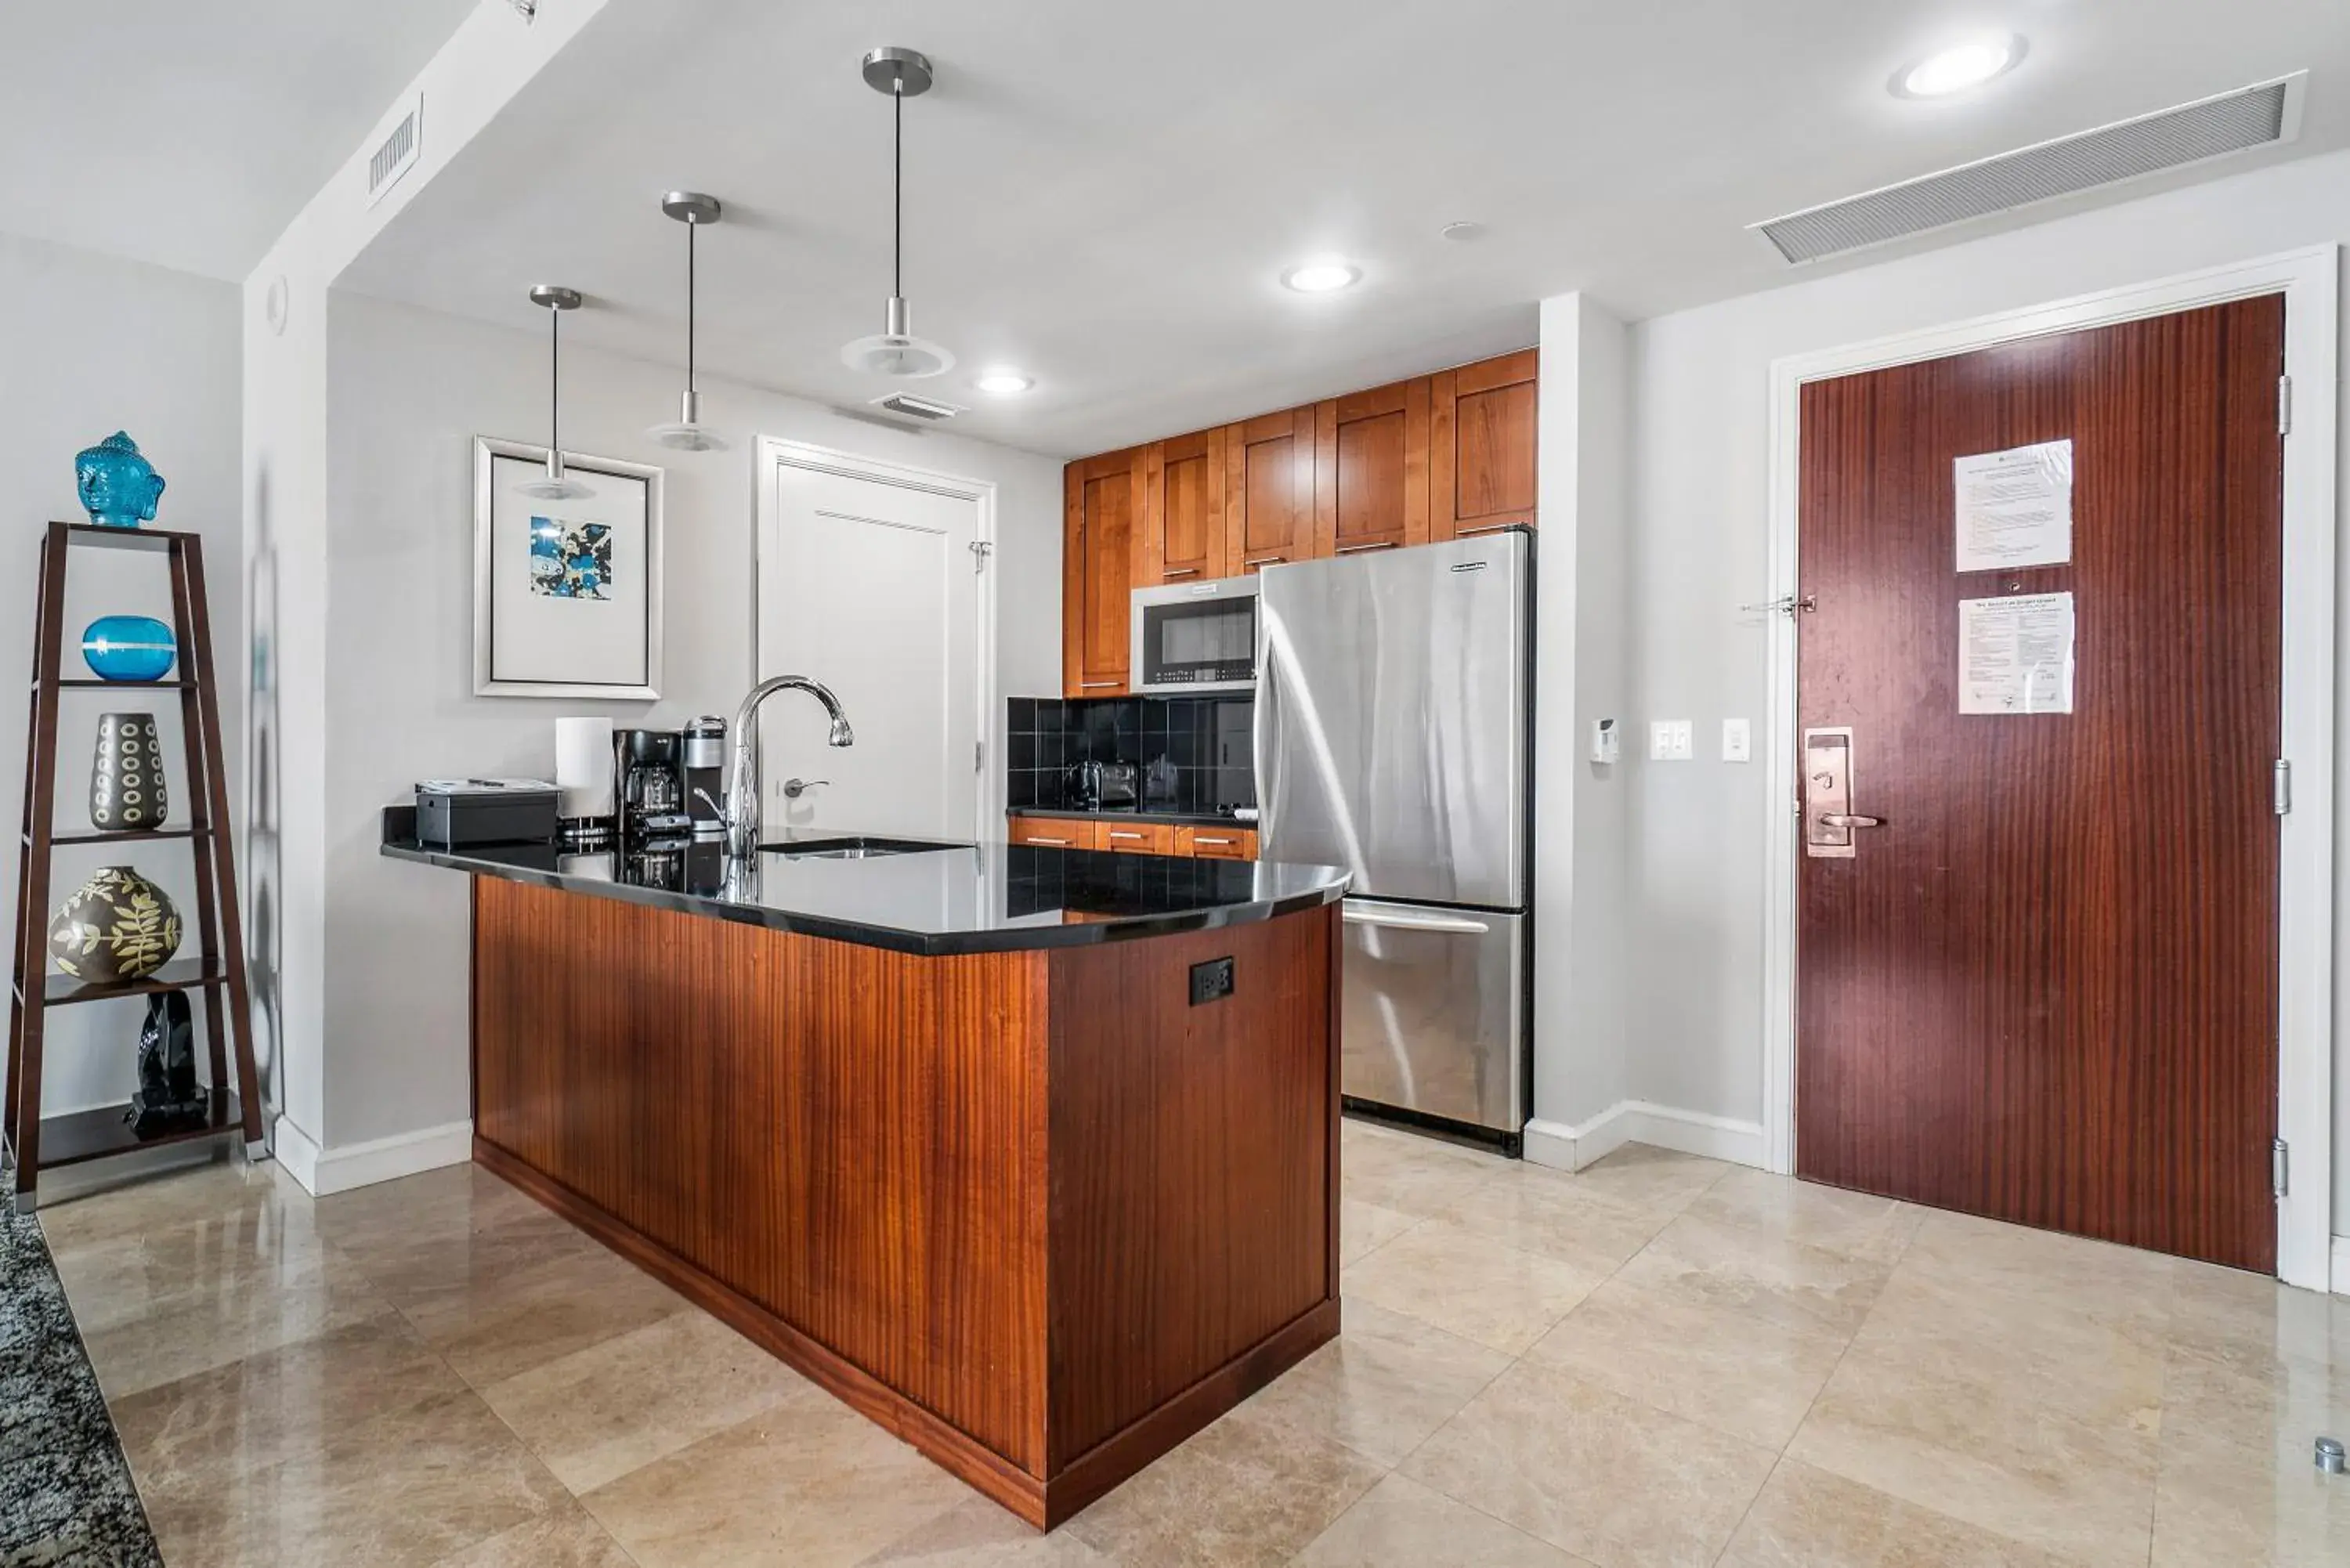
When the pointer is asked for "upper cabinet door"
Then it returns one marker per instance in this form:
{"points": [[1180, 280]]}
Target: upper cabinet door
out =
{"points": [[1481, 420], [1102, 508], [1184, 527], [1371, 469], [1269, 490]]}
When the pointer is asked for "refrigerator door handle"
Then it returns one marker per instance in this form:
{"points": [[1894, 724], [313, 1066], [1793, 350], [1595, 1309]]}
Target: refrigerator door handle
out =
{"points": [[1263, 738], [1403, 918]]}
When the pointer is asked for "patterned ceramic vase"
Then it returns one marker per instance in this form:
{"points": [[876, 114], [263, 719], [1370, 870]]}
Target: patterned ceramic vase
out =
{"points": [[120, 927], [126, 777]]}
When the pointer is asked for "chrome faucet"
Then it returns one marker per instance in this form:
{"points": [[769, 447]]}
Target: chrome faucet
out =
{"points": [[742, 776]]}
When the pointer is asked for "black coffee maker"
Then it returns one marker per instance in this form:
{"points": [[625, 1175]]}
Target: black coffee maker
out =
{"points": [[702, 757], [649, 786]]}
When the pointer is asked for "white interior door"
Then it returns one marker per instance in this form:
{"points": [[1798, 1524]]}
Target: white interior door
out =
{"points": [[871, 585]]}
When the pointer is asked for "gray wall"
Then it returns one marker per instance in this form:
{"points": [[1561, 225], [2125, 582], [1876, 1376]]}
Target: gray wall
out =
{"points": [[408, 390], [91, 344]]}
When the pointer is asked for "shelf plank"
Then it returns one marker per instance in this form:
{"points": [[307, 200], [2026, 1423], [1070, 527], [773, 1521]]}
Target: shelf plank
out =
{"points": [[95, 1133], [181, 974], [120, 834], [91, 683], [96, 536]]}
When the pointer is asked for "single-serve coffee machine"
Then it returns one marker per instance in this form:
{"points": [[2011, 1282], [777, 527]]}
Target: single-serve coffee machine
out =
{"points": [[649, 786], [704, 750]]}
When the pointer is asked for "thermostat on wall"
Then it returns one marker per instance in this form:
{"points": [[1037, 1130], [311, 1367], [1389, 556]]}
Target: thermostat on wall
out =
{"points": [[1603, 741]]}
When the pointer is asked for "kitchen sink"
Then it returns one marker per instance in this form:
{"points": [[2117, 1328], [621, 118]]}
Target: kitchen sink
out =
{"points": [[852, 849]]}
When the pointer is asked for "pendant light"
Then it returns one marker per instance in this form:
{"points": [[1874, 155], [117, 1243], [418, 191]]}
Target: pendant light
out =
{"points": [[692, 209], [902, 74], [557, 485]]}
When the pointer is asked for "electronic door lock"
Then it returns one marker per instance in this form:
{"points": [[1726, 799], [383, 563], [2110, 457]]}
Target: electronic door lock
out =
{"points": [[1829, 821]]}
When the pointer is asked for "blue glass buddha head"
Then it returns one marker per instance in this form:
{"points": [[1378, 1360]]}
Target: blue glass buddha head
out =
{"points": [[118, 487]]}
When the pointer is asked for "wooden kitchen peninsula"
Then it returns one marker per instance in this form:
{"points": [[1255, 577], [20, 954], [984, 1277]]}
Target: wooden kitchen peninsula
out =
{"points": [[946, 1131]]}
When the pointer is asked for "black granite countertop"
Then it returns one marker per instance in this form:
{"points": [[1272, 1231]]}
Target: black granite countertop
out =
{"points": [[944, 898], [1120, 814]]}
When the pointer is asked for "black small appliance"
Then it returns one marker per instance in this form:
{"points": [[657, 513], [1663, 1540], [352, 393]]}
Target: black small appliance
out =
{"points": [[649, 786], [1121, 787], [702, 753]]}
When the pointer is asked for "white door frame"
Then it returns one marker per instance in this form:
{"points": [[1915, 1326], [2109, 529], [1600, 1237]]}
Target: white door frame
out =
{"points": [[2307, 278], [773, 451]]}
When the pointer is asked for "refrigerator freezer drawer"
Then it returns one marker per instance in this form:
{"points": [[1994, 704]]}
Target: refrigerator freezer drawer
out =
{"points": [[1434, 1012]]}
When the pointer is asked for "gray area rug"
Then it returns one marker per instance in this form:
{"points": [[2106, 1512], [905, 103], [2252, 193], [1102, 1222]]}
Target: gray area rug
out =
{"points": [[66, 1496]]}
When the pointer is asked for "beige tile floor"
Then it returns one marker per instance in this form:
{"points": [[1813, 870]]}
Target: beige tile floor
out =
{"points": [[1661, 1361]]}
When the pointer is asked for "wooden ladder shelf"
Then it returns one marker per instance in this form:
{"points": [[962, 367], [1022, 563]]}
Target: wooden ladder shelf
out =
{"points": [[37, 1143]]}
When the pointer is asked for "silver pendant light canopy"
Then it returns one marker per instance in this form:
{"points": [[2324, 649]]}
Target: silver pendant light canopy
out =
{"points": [[557, 485], [896, 351], [692, 209]]}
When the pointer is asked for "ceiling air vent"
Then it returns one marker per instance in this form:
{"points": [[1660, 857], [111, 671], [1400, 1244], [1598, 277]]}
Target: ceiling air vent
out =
{"points": [[396, 154], [2170, 139], [915, 408]]}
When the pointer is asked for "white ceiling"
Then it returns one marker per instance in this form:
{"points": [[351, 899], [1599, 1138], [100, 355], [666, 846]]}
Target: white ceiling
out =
{"points": [[186, 133], [1104, 194]]}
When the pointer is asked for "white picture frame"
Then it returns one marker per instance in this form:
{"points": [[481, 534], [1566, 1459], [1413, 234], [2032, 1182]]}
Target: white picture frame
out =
{"points": [[566, 594]]}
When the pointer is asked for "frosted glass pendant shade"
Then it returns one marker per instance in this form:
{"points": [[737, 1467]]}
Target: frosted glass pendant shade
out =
{"points": [[896, 352], [557, 485], [687, 432]]}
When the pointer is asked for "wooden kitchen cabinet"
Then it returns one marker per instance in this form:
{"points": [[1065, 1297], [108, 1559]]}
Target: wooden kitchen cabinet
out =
{"points": [[1184, 536], [1481, 425], [1052, 832], [1371, 469], [1102, 508], [1136, 837], [1215, 843], [1269, 490]]}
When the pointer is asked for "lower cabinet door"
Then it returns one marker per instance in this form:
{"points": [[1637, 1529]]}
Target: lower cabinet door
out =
{"points": [[1052, 832], [1434, 1012], [1215, 843], [1138, 837]]}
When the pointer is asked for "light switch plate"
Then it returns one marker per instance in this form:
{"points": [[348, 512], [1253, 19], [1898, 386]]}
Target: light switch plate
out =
{"points": [[1670, 740], [1737, 741]]}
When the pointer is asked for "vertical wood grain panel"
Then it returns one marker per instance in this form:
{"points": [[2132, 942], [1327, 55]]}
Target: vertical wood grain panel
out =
{"points": [[1482, 444], [1184, 533], [2046, 989], [1269, 488], [1371, 469]]}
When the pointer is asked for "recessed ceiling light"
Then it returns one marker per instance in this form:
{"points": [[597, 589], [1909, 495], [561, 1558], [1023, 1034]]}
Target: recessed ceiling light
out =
{"points": [[1321, 277], [1959, 68], [1003, 383]]}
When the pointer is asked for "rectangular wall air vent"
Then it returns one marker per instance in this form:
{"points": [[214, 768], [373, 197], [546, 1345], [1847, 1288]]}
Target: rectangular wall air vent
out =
{"points": [[915, 408], [2168, 139], [397, 152]]}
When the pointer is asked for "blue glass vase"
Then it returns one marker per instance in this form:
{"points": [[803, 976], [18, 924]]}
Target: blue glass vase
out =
{"points": [[128, 647], [117, 487]]}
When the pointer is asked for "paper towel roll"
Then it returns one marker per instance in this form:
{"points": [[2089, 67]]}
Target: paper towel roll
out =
{"points": [[583, 767]]}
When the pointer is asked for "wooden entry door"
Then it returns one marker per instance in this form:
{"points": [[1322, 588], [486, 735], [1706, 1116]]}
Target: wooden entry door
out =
{"points": [[2045, 989]]}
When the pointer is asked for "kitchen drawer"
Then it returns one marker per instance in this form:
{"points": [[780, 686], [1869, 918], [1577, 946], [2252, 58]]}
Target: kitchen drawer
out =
{"points": [[1052, 832], [1216, 843], [1136, 837]]}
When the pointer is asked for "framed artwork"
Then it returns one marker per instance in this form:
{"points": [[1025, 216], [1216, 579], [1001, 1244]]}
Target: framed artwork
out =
{"points": [[566, 594]]}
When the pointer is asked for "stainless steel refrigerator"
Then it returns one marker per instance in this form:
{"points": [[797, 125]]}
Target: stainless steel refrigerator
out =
{"points": [[1394, 698]]}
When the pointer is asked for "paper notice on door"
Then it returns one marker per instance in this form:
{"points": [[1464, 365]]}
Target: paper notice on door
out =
{"points": [[2015, 507], [2015, 654]]}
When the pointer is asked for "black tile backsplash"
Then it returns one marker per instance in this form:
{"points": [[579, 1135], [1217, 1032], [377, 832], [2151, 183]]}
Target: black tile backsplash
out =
{"points": [[1194, 753]]}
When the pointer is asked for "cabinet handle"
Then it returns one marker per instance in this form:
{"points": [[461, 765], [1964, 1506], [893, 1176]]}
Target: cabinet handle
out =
{"points": [[1096, 685], [1264, 560], [1358, 549], [1483, 528], [1040, 838], [1180, 572], [1114, 834], [1203, 838]]}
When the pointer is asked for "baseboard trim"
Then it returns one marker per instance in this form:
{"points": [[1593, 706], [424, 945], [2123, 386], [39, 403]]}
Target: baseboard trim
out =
{"points": [[1576, 1147], [323, 1172], [2342, 1265]]}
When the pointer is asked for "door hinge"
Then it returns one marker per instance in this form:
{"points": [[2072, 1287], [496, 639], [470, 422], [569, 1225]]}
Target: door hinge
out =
{"points": [[2281, 787], [2284, 405], [978, 755], [2280, 1166], [981, 549]]}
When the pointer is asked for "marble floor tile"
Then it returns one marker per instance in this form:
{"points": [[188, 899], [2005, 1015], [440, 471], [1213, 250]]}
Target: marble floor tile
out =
{"points": [[1651, 1177], [1400, 1523], [1746, 1370], [566, 1536], [1856, 1225], [598, 1412], [275, 1405], [424, 1274], [1766, 1276], [1382, 1386], [1469, 1286], [245, 1249], [1554, 1215], [1365, 1227], [449, 1201], [511, 1321], [412, 1486], [1606, 1478], [1407, 1174], [805, 1483], [1243, 1493], [1808, 1518], [2077, 1275], [2252, 1322], [977, 1533], [2237, 1482], [138, 1205]]}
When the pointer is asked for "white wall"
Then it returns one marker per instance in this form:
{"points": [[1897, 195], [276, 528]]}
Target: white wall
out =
{"points": [[408, 390], [1700, 480], [89, 345]]}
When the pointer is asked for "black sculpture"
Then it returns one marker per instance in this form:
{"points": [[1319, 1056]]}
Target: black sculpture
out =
{"points": [[168, 1098]]}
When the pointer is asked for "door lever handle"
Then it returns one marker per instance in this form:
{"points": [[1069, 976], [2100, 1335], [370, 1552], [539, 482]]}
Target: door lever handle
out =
{"points": [[1846, 819]]}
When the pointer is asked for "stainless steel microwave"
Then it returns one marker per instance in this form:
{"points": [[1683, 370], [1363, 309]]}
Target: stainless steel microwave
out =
{"points": [[1195, 637]]}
